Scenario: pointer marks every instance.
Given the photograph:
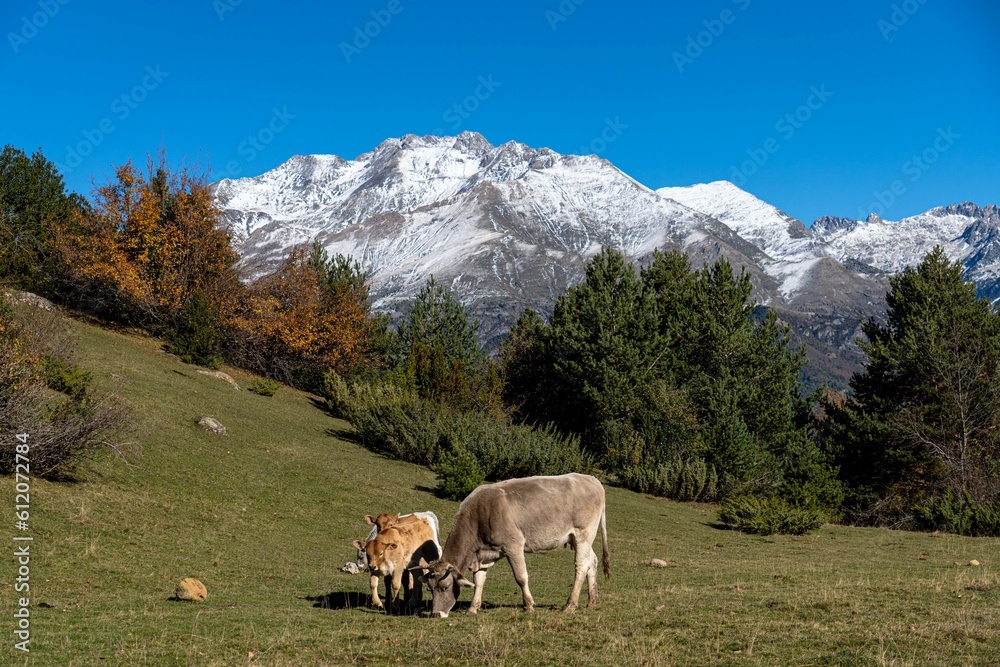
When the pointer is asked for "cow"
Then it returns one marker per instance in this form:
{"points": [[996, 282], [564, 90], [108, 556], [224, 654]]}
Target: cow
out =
{"points": [[386, 520], [514, 517], [394, 552]]}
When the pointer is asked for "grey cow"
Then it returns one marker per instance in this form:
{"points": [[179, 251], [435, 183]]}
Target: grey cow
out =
{"points": [[518, 516]]}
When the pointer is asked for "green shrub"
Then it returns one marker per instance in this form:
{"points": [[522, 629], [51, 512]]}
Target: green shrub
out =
{"points": [[399, 424], [195, 338], [65, 377], [337, 393], [459, 474], [693, 480], [958, 514], [767, 516], [264, 387]]}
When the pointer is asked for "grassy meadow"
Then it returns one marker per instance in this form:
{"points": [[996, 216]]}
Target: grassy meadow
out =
{"points": [[265, 518]]}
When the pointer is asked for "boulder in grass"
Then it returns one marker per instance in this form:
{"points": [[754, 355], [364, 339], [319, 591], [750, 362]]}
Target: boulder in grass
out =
{"points": [[212, 425], [219, 375], [191, 589], [657, 562]]}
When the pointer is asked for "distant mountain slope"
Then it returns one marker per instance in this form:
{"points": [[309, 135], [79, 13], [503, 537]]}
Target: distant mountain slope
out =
{"points": [[510, 226]]}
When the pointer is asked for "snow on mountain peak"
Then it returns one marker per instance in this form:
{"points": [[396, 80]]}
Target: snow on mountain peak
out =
{"points": [[773, 231]]}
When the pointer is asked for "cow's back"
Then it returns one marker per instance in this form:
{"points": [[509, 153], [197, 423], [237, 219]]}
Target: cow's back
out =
{"points": [[541, 509]]}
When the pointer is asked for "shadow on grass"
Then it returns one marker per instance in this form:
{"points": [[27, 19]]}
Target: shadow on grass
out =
{"points": [[343, 600], [718, 525], [347, 435]]}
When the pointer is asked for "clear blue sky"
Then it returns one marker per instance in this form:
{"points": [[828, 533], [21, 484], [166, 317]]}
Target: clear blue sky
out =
{"points": [[683, 92]]}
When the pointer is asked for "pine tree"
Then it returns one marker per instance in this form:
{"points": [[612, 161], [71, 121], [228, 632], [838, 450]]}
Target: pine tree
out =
{"points": [[926, 408], [604, 348], [32, 202]]}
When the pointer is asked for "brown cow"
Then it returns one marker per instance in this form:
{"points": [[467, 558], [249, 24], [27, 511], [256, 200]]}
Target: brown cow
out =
{"points": [[510, 518], [386, 520], [394, 551]]}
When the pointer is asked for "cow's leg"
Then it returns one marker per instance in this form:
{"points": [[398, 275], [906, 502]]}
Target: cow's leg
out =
{"points": [[592, 579], [520, 569], [397, 583], [584, 563], [416, 591], [374, 584], [479, 579]]}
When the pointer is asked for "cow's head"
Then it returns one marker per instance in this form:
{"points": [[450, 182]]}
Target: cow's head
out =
{"points": [[376, 552], [445, 583], [383, 520]]}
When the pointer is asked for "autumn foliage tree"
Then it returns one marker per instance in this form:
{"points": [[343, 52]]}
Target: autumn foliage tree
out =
{"points": [[310, 316], [146, 244]]}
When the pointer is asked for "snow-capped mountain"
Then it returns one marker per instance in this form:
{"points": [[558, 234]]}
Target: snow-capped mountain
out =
{"points": [[510, 226], [505, 226], [964, 231]]}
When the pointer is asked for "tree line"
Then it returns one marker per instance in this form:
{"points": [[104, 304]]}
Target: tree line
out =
{"points": [[668, 378]]}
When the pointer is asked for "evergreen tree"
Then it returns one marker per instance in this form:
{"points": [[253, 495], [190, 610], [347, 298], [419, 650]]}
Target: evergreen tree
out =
{"points": [[440, 353], [195, 339], [925, 411], [604, 347], [32, 201]]}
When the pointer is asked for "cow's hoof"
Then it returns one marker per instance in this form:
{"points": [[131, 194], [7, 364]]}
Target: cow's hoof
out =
{"points": [[529, 610], [569, 608], [473, 611]]}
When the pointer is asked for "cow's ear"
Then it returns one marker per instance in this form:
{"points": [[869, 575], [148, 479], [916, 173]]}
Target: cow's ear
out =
{"points": [[423, 578], [391, 545], [393, 518], [369, 519], [465, 583], [359, 544]]}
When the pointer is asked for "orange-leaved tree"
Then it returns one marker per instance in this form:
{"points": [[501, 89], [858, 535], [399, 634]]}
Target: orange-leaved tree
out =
{"points": [[146, 243], [310, 316]]}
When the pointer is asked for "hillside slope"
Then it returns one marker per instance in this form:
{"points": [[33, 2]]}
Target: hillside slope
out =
{"points": [[265, 516]]}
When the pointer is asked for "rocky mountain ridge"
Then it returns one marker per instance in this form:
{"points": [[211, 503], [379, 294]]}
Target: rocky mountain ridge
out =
{"points": [[510, 226]]}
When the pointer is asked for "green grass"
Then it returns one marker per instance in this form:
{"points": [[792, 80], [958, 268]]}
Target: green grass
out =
{"points": [[265, 518]]}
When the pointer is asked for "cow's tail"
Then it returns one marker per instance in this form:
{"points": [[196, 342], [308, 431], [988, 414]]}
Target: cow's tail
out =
{"points": [[604, 543]]}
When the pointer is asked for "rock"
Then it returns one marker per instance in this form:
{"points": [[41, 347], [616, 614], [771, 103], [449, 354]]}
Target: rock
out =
{"points": [[212, 426], [973, 563], [191, 589], [657, 562], [351, 568], [219, 375], [31, 300]]}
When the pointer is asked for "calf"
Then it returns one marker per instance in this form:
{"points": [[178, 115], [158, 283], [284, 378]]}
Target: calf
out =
{"points": [[392, 553], [386, 520]]}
